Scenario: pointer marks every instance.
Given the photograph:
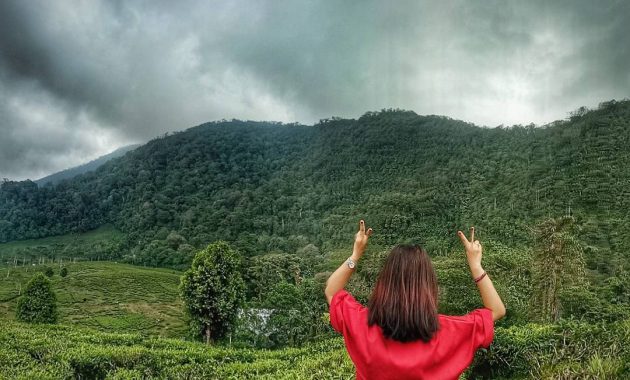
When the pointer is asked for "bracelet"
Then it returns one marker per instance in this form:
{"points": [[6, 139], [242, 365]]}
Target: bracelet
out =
{"points": [[480, 277]]}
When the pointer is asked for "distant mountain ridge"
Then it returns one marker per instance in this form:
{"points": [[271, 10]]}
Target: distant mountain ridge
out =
{"points": [[269, 187], [88, 167]]}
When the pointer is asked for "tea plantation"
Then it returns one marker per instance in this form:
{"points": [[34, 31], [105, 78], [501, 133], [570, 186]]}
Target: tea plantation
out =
{"points": [[563, 351], [106, 296]]}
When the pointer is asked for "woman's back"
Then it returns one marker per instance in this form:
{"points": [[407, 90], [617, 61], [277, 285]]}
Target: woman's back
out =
{"points": [[401, 335], [445, 356]]}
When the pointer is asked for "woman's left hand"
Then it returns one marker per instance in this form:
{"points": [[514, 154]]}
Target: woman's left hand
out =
{"points": [[361, 238]]}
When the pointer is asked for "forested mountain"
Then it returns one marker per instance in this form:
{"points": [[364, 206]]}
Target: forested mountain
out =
{"points": [[269, 187], [88, 167]]}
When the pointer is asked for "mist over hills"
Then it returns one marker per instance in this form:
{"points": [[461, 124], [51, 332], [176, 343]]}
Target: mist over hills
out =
{"points": [[84, 168], [281, 187]]}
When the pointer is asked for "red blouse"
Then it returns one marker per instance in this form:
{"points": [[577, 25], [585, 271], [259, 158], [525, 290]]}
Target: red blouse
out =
{"points": [[445, 356]]}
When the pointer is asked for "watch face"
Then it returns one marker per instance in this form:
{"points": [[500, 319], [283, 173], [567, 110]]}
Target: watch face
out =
{"points": [[351, 264]]}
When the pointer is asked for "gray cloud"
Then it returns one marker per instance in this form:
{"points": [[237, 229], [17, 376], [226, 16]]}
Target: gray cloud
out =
{"points": [[79, 79]]}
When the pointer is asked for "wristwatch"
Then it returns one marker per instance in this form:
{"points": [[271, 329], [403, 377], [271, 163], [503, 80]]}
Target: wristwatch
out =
{"points": [[351, 263]]}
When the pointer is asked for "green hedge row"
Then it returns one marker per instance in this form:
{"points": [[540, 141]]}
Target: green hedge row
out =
{"points": [[562, 351], [565, 350]]}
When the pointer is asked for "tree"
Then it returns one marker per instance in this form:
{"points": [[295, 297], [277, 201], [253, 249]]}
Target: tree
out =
{"points": [[287, 323], [265, 271], [297, 312], [290, 315], [39, 302], [558, 261], [63, 272], [213, 290]]}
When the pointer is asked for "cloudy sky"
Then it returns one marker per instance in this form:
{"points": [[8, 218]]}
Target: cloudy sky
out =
{"points": [[80, 78]]}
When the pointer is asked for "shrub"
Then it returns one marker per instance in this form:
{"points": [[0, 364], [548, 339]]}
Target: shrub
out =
{"points": [[39, 302]]}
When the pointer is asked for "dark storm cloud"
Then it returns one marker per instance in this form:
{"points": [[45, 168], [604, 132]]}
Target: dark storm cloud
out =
{"points": [[79, 79]]}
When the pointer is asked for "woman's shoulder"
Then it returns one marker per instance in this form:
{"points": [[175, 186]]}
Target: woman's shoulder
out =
{"points": [[343, 296], [478, 323], [345, 310], [478, 316], [449, 317], [477, 313]]}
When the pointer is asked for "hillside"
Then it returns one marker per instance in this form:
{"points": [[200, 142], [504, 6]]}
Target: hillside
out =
{"points": [[106, 296], [271, 187], [87, 167]]}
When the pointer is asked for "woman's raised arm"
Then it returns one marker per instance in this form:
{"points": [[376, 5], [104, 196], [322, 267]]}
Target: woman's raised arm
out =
{"points": [[340, 277], [489, 295]]}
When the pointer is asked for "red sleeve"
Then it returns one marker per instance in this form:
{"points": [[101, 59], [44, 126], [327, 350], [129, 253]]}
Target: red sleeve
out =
{"points": [[483, 331], [342, 307]]}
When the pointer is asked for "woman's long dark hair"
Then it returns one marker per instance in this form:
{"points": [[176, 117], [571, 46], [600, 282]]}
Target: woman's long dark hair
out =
{"points": [[404, 300]]}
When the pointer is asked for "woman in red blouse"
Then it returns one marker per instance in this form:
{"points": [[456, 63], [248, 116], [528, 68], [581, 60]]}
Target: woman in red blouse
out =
{"points": [[400, 334]]}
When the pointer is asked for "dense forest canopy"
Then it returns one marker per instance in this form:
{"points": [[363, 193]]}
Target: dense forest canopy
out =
{"points": [[273, 187]]}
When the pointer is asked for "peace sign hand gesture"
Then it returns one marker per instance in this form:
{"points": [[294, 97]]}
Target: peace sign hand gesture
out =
{"points": [[361, 238], [473, 249]]}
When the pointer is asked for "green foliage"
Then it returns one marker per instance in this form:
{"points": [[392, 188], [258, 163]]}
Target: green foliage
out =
{"points": [[63, 272], [565, 350], [39, 302], [295, 317], [107, 296], [558, 264], [419, 177], [103, 243], [288, 198], [584, 303], [81, 353], [213, 290], [265, 271], [49, 272]]}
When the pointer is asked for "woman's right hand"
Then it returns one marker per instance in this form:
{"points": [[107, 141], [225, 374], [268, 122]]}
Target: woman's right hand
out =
{"points": [[473, 251]]}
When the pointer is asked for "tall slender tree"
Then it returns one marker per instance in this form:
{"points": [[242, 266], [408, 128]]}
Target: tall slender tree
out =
{"points": [[558, 263]]}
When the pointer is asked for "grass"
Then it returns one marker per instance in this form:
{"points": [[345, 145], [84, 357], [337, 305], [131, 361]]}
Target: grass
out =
{"points": [[106, 296]]}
